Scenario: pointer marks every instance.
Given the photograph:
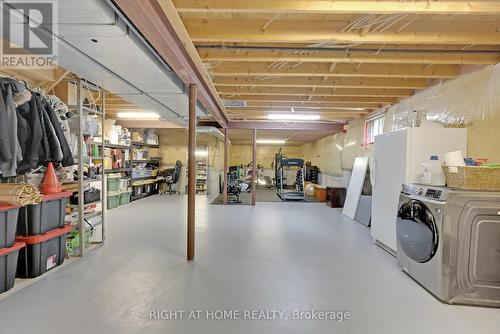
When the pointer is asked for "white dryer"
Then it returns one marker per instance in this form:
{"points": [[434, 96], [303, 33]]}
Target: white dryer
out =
{"points": [[448, 240]]}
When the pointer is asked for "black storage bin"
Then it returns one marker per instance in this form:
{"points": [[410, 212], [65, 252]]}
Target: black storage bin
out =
{"points": [[42, 252], [89, 196], [148, 188], [138, 190], [40, 218], [8, 265], [8, 225]]}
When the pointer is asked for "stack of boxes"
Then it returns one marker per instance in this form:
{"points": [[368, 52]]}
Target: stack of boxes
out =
{"points": [[147, 136]]}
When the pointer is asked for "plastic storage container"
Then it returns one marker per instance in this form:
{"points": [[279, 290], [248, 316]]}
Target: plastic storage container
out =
{"points": [[123, 185], [138, 190], [125, 198], [73, 241], [113, 200], [8, 265], [113, 183], [90, 195], [148, 188], [40, 218], [8, 225], [42, 252]]}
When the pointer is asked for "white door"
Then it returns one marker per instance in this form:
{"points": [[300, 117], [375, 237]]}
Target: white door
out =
{"points": [[390, 174]]}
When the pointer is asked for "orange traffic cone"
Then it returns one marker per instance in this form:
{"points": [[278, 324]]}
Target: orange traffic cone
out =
{"points": [[50, 183]]}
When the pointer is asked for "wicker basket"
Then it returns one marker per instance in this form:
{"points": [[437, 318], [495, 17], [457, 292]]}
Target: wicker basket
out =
{"points": [[472, 178]]}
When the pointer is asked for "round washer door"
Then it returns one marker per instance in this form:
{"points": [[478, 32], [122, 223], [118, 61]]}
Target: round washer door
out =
{"points": [[417, 231]]}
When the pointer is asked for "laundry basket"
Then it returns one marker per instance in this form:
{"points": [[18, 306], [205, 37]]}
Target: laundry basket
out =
{"points": [[472, 178]]}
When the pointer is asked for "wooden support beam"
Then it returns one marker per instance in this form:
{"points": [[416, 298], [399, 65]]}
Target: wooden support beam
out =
{"points": [[266, 125], [226, 164], [341, 70], [339, 7], [261, 112], [358, 83], [254, 166], [291, 98], [313, 104], [191, 216], [318, 31], [341, 56], [315, 91]]}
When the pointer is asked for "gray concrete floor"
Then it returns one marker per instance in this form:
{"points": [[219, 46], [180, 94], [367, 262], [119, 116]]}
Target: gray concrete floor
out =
{"points": [[276, 256]]}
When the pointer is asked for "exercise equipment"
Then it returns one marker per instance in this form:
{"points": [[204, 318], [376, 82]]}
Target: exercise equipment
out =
{"points": [[234, 188], [312, 173], [310, 189], [289, 192], [171, 176]]}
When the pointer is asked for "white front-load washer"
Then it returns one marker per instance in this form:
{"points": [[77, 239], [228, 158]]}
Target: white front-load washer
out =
{"points": [[448, 240]]}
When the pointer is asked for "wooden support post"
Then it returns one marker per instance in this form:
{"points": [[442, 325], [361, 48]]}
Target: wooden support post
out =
{"points": [[226, 163], [191, 173], [254, 164]]}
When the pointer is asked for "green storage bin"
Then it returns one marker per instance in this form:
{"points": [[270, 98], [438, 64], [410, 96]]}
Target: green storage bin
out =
{"points": [[113, 183], [73, 241], [125, 198], [113, 200]]}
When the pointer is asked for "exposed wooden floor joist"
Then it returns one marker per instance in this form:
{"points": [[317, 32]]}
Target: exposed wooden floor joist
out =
{"points": [[340, 70], [330, 56], [339, 7]]}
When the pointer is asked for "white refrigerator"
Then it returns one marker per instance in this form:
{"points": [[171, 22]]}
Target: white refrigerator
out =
{"points": [[398, 159]]}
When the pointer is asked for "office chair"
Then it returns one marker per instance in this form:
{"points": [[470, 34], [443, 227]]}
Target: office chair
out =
{"points": [[171, 176]]}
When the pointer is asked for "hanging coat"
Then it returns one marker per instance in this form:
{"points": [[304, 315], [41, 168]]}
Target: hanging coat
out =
{"points": [[9, 139], [29, 134], [67, 155]]}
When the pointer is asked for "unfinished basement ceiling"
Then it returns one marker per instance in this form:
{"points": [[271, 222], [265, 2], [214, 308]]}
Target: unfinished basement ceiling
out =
{"points": [[338, 59]]}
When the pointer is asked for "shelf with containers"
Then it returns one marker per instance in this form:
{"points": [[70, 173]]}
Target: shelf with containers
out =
{"points": [[145, 163], [87, 215], [118, 168], [202, 174]]}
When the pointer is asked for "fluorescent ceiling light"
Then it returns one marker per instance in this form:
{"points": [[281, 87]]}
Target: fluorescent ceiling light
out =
{"points": [[138, 115], [201, 153], [271, 141], [293, 117]]}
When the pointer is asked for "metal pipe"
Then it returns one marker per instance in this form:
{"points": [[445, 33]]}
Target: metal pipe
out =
{"points": [[341, 49], [191, 174]]}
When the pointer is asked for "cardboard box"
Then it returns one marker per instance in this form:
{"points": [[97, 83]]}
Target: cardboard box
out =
{"points": [[138, 137]]}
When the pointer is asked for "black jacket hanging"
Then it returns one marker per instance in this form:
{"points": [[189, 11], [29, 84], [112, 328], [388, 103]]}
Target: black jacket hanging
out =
{"points": [[9, 143], [29, 134], [67, 155]]}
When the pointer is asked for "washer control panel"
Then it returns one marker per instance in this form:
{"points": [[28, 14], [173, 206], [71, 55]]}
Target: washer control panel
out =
{"points": [[425, 191], [433, 193]]}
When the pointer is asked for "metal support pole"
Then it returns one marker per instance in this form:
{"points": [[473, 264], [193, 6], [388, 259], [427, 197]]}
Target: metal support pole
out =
{"points": [[226, 163], [81, 224], [254, 165], [104, 185], [191, 173]]}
